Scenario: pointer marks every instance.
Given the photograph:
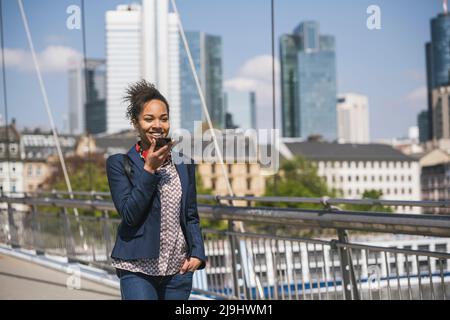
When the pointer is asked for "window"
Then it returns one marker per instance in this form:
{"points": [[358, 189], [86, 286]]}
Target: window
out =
{"points": [[13, 148], [30, 170], [38, 170], [213, 168], [381, 178], [229, 168], [248, 168], [2, 148], [357, 178], [213, 183], [388, 178], [249, 183], [349, 178], [365, 178]]}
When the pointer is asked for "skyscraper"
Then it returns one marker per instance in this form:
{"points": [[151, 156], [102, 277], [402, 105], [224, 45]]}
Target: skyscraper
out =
{"points": [[141, 43], [123, 61], [422, 123], [206, 51], [242, 108], [438, 63], [308, 83], [353, 118], [87, 112]]}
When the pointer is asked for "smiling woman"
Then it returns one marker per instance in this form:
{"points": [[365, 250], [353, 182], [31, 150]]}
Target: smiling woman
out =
{"points": [[159, 241]]}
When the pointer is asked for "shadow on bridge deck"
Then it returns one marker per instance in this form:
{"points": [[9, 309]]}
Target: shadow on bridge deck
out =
{"points": [[21, 279]]}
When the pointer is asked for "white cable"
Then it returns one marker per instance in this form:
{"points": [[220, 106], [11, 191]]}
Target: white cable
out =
{"points": [[202, 99], [47, 106], [239, 224]]}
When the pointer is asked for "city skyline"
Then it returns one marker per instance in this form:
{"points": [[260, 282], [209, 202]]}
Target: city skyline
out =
{"points": [[404, 99]]}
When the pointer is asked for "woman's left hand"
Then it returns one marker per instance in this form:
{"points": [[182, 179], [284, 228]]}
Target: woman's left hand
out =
{"points": [[190, 264]]}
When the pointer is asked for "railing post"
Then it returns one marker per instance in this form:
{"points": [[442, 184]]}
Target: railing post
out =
{"points": [[348, 273], [68, 239], [233, 248], [13, 230], [107, 234], [36, 229]]}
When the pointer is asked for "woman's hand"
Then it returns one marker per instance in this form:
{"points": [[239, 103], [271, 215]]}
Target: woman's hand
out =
{"points": [[190, 264], [156, 158]]}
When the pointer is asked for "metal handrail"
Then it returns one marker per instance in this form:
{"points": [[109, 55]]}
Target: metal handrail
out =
{"points": [[413, 224], [243, 276], [322, 200]]}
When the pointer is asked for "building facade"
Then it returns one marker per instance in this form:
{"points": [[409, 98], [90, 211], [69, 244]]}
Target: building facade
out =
{"points": [[352, 169], [87, 111], [308, 83], [11, 165], [141, 43], [435, 178], [206, 52], [440, 102], [242, 108], [353, 118], [438, 63]]}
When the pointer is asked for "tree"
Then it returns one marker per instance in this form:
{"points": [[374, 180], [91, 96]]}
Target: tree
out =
{"points": [[85, 175], [369, 194], [297, 177], [206, 223]]}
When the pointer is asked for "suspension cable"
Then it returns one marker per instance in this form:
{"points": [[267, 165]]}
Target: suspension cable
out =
{"points": [[46, 102], [202, 99], [87, 93], [5, 100]]}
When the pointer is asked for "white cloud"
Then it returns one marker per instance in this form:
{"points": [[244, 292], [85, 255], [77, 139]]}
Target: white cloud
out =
{"points": [[52, 59], [418, 95], [256, 75]]}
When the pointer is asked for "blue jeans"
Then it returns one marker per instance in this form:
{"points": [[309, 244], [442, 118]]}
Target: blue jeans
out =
{"points": [[139, 286]]}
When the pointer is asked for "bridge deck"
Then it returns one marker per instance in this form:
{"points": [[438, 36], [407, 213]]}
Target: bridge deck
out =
{"points": [[21, 279]]}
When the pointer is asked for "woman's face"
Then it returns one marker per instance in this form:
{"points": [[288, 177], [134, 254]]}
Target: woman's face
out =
{"points": [[153, 121]]}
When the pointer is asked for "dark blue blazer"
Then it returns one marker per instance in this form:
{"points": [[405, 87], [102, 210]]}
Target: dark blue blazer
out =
{"points": [[137, 201]]}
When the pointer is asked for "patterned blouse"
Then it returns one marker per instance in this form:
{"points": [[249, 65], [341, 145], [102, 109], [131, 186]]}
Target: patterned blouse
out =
{"points": [[173, 248]]}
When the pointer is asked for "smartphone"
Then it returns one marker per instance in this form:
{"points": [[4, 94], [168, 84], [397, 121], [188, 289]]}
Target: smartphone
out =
{"points": [[161, 142]]}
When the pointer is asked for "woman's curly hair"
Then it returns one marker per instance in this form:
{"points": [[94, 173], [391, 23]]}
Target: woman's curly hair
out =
{"points": [[137, 95]]}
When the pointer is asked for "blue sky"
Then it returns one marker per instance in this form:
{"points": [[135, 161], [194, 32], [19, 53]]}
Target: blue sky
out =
{"points": [[387, 65]]}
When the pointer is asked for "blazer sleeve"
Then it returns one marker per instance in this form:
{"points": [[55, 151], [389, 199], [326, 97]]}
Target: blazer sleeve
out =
{"points": [[131, 202], [193, 220]]}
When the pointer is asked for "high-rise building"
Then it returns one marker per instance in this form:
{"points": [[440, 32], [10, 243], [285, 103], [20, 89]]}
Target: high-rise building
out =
{"points": [[422, 123], [353, 118], [123, 61], [440, 102], [141, 43], [438, 63], [308, 83], [87, 111], [206, 52], [241, 105]]}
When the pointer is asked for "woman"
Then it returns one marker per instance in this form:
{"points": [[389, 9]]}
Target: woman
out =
{"points": [[159, 242]]}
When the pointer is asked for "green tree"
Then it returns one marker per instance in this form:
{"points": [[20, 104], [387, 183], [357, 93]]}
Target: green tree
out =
{"points": [[297, 177], [207, 223], [86, 174], [369, 194]]}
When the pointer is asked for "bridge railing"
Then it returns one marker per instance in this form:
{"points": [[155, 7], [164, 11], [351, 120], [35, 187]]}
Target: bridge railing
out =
{"points": [[250, 265]]}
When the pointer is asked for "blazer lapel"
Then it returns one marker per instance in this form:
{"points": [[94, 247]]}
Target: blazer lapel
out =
{"points": [[136, 159]]}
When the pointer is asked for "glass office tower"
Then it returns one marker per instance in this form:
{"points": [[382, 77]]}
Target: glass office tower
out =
{"points": [[308, 88]]}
